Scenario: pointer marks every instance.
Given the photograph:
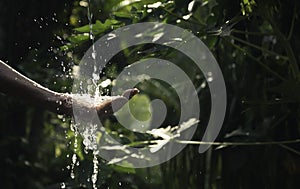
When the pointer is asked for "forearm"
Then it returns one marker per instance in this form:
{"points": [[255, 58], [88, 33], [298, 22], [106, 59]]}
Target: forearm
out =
{"points": [[15, 84]]}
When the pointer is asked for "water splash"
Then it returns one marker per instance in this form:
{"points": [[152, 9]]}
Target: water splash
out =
{"points": [[88, 130], [74, 161], [62, 185], [85, 127], [95, 171]]}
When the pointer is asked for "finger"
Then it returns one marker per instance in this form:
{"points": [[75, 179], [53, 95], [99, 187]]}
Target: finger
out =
{"points": [[129, 93], [110, 106], [115, 103]]}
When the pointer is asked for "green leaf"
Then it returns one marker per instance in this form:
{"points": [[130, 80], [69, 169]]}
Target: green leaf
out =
{"points": [[123, 15], [98, 27], [65, 47], [123, 169], [78, 38], [83, 29]]}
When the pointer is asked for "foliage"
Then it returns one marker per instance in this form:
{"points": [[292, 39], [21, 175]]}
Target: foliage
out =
{"points": [[255, 44]]}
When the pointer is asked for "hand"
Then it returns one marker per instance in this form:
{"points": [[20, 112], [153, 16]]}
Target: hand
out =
{"points": [[105, 108], [14, 83]]}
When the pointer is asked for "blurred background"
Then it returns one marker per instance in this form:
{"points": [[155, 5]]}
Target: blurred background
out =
{"points": [[256, 44]]}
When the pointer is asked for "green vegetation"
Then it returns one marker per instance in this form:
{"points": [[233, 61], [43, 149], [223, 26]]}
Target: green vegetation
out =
{"points": [[256, 44]]}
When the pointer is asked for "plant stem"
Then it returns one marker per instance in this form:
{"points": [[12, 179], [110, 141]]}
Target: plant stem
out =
{"points": [[250, 33], [258, 61], [292, 24], [258, 143], [288, 48], [259, 48]]}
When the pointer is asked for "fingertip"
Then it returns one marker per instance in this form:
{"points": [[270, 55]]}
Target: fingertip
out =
{"points": [[135, 91], [129, 93]]}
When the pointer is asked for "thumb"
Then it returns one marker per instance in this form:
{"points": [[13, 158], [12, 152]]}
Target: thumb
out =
{"points": [[108, 107]]}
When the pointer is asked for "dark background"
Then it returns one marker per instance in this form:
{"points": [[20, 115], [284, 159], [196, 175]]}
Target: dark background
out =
{"points": [[259, 59]]}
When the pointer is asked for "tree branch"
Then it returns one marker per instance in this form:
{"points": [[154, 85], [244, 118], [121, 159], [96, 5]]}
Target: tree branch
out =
{"points": [[15, 84]]}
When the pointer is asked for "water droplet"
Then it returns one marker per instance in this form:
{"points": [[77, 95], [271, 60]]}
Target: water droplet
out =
{"points": [[62, 185], [111, 36], [94, 55], [186, 17], [210, 79], [74, 158], [95, 172]]}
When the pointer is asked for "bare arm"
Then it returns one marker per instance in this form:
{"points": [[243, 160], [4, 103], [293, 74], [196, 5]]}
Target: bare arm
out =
{"points": [[15, 84]]}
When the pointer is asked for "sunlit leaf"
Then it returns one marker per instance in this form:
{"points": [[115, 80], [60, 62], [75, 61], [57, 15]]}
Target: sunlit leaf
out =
{"points": [[124, 168], [78, 38], [98, 27]]}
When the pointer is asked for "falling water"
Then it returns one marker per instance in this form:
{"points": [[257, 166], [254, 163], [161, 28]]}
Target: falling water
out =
{"points": [[94, 53], [97, 93], [95, 171], [74, 157], [89, 132]]}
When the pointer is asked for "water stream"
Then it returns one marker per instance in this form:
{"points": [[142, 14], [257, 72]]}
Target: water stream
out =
{"points": [[91, 130], [74, 161], [88, 132]]}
